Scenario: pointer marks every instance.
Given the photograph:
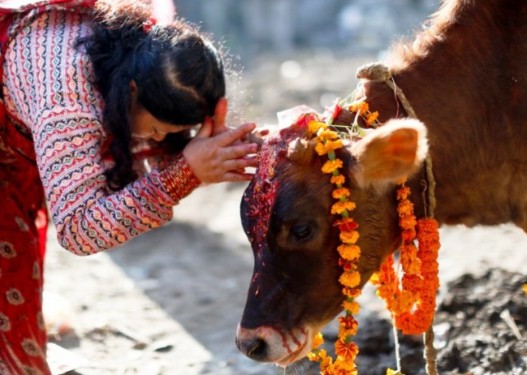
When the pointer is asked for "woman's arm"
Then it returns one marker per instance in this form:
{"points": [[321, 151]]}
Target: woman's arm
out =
{"points": [[48, 88]]}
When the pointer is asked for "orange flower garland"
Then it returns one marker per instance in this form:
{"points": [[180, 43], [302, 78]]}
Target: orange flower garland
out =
{"points": [[344, 364], [412, 301]]}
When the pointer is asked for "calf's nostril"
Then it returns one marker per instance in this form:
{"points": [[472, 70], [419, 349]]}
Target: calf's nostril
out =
{"points": [[258, 348], [255, 348]]}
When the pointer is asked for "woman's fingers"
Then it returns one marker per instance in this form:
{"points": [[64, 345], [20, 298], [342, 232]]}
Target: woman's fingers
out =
{"points": [[239, 164], [233, 135], [223, 157], [237, 176], [239, 150]]}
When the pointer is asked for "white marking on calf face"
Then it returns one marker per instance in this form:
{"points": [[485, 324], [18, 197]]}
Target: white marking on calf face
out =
{"points": [[271, 344]]}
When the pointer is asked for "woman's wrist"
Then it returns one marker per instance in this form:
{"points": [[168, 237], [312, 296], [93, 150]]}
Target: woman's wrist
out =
{"points": [[178, 179]]}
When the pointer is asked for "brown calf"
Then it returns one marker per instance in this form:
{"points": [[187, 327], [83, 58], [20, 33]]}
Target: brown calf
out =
{"points": [[466, 77]]}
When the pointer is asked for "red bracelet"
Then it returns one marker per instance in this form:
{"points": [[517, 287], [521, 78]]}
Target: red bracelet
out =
{"points": [[178, 179]]}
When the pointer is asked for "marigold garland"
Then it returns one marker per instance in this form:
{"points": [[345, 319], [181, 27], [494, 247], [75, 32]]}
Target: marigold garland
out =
{"points": [[412, 299], [327, 141]]}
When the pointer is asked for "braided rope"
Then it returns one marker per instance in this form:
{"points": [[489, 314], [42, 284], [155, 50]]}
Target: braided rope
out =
{"points": [[378, 72]]}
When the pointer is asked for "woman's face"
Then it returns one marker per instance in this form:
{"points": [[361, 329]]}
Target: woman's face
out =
{"points": [[146, 127]]}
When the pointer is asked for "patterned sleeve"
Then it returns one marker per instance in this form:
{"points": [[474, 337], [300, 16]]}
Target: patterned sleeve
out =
{"points": [[47, 87]]}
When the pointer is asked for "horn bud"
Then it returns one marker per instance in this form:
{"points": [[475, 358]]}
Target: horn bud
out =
{"points": [[258, 136]]}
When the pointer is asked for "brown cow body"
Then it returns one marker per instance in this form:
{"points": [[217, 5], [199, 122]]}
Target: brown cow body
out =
{"points": [[466, 78]]}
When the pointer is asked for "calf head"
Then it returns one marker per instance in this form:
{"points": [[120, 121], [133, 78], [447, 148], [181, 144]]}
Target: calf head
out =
{"points": [[286, 215]]}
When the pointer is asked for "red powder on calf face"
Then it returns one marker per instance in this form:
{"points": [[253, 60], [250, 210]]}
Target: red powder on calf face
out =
{"points": [[260, 195]]}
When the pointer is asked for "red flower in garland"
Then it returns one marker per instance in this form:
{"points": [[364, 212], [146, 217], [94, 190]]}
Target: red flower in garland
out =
{"points": [[346, 224], [304, 120]]}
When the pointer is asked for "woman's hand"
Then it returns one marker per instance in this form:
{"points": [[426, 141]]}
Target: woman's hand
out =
{"points": [[217, 156]]}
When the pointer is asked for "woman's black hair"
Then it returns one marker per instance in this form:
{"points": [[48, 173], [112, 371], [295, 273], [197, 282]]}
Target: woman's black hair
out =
{"points": [[178, 73]]}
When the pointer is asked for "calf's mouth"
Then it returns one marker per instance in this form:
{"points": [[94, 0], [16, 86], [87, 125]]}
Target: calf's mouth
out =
{"points": [[274, 344]]}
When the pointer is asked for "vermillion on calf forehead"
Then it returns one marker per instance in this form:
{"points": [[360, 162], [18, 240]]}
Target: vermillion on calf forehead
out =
{"points": [[260, 195]]}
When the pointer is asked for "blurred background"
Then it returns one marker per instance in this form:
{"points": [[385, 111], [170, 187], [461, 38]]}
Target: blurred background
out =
{"points": [[169, 301], [254, 27], [291, 52]]}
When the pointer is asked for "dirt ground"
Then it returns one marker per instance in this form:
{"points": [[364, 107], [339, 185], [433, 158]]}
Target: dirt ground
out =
{"points": [[168, 302]]}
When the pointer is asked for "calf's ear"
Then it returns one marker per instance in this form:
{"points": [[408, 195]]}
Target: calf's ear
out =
{"points": [[390, 152], [300, 151]]}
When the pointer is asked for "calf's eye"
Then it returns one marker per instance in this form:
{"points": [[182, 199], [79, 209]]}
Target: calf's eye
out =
{"points": [[301, 232]]}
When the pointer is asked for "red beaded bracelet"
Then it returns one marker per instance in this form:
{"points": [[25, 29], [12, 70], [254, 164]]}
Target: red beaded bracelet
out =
{"points": [[178, 179]]}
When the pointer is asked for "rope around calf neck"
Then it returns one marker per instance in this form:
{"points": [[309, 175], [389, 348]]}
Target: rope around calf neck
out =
{"points": [[378, 72]]}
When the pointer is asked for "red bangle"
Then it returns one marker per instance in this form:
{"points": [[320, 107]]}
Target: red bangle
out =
{"points": [[178, 179]]}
